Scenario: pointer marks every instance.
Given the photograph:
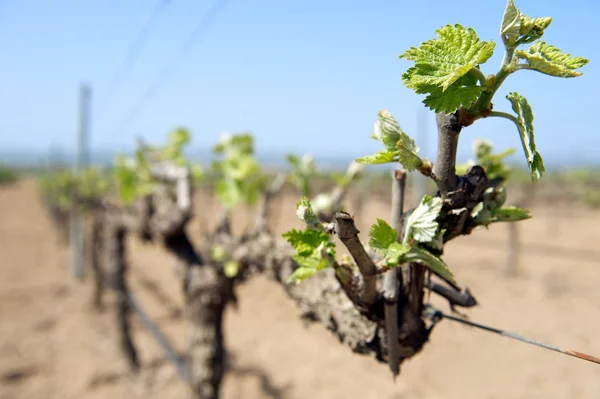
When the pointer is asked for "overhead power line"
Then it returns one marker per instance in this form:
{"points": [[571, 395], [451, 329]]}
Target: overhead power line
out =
{"points": [[170, 67], [133, 52]]}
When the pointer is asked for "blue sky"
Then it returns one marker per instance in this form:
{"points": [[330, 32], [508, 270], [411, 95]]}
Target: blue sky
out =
{"points": [[303, 76]]}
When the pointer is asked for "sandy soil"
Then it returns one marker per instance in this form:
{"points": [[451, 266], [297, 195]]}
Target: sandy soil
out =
{"points": [[52, 345]]}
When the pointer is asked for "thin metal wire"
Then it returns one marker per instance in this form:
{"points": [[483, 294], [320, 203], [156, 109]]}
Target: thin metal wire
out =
{"points": [[172, 356], [170, 67], [437, 315], [132, 53]]}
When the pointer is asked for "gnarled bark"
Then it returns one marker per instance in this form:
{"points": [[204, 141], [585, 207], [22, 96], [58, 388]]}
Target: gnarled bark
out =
{"points": [[96, 248], [205, 302], [117, 264]]}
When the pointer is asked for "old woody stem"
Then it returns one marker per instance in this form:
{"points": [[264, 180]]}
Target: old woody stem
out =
{"points": [[348, 234], [392, 280], [115, 247], [444, 169]]}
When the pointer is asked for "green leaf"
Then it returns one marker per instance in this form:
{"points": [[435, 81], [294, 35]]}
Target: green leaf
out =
{"points": [[379, 158], [421, 224], [407, 153], [228, 193], [438, 241], [463, 168], [441, 62], [511, 214], [306, 241], [408, 158], [305, 212], [173, 151], [300, 274], [452, 99], [421, 255], [132, 178], [394, 254], [91, 184], [493, 164], [511, 24], [313, 251], [399, 146], [517, 28], [403, 253], [532, 28], [525, 126], [179, 137], [311, 261], [387, 130], [59, 187], [483, 215], [382, 235], [241, 179], [197, 173], [481, 148], [232, 145], [499, 197], [549, 60], [293, 160], [477, 208], [490, 209]]}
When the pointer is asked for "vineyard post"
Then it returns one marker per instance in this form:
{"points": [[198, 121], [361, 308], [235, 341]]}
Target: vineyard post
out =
{"points": [[514, 233], [419, 182], [76, 236], [514, 250]]}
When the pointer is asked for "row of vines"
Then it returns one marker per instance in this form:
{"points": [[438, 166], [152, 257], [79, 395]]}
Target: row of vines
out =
{"points": [[369, 295]]}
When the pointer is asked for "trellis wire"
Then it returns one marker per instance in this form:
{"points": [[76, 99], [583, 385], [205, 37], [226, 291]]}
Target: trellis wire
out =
{"points": [[172, 356], [436, 315]]}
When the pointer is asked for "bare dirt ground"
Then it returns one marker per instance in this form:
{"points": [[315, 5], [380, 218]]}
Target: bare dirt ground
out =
{"points": [[52, 345]]}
